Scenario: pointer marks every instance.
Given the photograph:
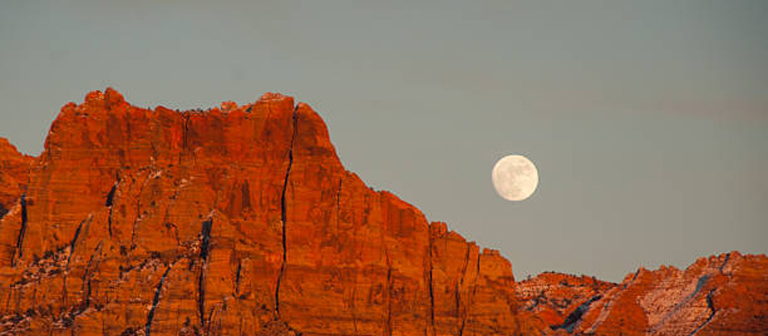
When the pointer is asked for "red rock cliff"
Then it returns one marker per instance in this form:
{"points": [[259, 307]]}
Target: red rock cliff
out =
{"points": [[241, 220], [235, 220]]}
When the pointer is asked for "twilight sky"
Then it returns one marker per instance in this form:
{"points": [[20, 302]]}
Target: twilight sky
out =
{"points": [[647, 120]]}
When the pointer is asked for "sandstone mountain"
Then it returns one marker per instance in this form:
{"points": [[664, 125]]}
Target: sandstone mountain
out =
{"points": [[241, 220], [14, 175]]}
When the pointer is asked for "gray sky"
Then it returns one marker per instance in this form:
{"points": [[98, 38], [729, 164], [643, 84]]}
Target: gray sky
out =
{"points": [[648, 121]]}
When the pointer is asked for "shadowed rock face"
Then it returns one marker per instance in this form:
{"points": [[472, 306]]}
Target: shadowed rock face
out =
{"points": [[241, 220]]}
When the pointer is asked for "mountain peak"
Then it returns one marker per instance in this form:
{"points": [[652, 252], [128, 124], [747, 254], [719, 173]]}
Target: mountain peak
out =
{"points": [[239, 212], [138, 221]]}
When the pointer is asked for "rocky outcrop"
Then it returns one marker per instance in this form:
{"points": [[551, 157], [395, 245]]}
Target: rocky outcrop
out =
{"points": [[719, 295], [14, 175], [241, 220], [553, 297], [229, 221]]}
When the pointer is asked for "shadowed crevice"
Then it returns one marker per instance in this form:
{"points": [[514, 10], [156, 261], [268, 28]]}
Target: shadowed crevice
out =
{"points": [[471, 296], [459, 285], [205, 237], [431, 284], [87, 275], [634, 277], [184, 135], [155, 301], [22, 230], [109, 203], [87, 300], [727, 256], [237, 277], [74, 240], [284, 214], [712, 311], [575, 316], [699, 285], [72, 245]]}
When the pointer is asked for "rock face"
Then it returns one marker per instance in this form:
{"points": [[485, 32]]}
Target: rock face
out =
{"points": [[236, 220], [14, 175], [719, 295], [553, 296], [241, 220]]}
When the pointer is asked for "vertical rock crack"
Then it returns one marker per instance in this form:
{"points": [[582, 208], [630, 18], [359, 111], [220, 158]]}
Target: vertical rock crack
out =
{"points": [[22, 230], [431, 285], [155, 301], [237, 277], [462, 314], [204, 249], [470, 296], [109, 203], [74, 240], [284, 214]]}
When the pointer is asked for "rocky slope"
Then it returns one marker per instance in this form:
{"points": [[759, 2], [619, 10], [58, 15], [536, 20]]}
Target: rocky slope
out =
{"points": [[719, 295], [241, 220], [553, 296]]}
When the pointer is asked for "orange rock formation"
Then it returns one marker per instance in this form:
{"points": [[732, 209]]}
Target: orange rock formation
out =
{"points": [[241, 220], [14, 175], [719, 295], [553, 296]]}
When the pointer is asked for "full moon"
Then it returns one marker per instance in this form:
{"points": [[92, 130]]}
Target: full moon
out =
{"points": [[515, 177]]}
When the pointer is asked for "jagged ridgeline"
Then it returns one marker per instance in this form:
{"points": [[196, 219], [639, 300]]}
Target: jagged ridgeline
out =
{"points": [[241, 220]]}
